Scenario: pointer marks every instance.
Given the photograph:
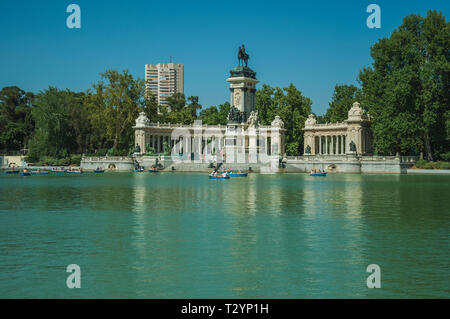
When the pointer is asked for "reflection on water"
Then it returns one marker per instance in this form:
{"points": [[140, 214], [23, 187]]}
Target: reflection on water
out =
{"points": [[265, 236]]}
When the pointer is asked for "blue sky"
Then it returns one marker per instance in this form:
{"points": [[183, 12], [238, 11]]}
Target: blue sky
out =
{"points": [[312, 44]]}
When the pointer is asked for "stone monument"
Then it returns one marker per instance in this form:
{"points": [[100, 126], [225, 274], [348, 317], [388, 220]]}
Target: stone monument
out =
{"points": [[243, 87]]}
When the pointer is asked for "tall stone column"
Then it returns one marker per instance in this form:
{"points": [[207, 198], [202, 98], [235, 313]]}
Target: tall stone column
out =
{"points": [[332, 145], [320, 145], [139, 137], [252, 144]]}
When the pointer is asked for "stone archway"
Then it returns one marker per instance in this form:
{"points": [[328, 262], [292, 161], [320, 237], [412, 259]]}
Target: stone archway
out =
{"points": [[112, 166], [332, 168]]}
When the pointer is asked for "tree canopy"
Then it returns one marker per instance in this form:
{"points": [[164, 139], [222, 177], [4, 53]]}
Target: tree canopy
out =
{"points": [[343, 98], [16, 123], [215, 116], [53, 113], [114, 105], [407, 90], [291, 106]]}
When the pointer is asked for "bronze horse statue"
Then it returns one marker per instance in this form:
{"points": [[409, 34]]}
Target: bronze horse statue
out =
{"points": [[243, 56]]}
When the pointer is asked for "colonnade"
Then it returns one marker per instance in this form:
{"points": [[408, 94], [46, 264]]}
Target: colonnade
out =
{"points": [[330, 144], [208, 144], [183, 145]]}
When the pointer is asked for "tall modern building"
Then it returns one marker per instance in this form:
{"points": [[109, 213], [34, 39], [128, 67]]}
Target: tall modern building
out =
{"points": [[164, 80]]}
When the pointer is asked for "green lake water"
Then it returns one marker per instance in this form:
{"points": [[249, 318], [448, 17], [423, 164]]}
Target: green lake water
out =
{"points": [[179, 235]]}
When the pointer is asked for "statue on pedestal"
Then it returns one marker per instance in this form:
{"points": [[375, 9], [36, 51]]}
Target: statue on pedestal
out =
{"points": [[253, 120], [352, 146], [308, 149], [243, 56]]}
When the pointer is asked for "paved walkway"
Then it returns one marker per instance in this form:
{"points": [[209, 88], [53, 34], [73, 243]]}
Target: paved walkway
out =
{"points": [[428, 171]]}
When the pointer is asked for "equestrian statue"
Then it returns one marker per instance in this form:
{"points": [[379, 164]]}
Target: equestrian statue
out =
{"points": [[243, 57]]}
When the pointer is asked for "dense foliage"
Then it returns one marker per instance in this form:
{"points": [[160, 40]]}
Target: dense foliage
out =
{"points": [[16, 122], [291, 106], [407, 90], [215, 116], [342, 101]]}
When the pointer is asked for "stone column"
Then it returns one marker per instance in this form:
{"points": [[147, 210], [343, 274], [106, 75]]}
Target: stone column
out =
{"points": [[139, 137], [320, 145], [275, 138], [332, 145], [252, 145]]}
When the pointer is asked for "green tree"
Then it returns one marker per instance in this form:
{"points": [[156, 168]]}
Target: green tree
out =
{"points": [[151, 108], [53, 134], [291, 106], [215, 116], [16, 123], [114, 106], [407, 88], [178, 111], [343, 98]]}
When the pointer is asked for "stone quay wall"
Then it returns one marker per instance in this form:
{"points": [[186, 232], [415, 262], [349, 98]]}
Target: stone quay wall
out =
{"points": [[350, 164], [292, 164], [117, 163]]}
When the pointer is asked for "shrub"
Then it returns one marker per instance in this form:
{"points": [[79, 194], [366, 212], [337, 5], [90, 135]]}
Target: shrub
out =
{"points": [[150, 151], [446, 156], [429, 165], [442, 165], [102, 152], [421, 163], [75, 159]]}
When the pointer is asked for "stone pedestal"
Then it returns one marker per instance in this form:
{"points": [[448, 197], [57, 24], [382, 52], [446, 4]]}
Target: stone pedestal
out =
{"points": [[243, 87]]}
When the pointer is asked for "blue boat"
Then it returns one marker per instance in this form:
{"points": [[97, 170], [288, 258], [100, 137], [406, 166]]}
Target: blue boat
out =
{"points": [[238, 174], [219, 177], [39, 173], [139, 170], [153, 170], [99, 170], [25, 174], [318, 174], [74, 171], [58, 170], [12, 172]]}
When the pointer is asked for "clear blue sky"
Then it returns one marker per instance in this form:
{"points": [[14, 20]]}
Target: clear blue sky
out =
{"points": [[313, 44]]}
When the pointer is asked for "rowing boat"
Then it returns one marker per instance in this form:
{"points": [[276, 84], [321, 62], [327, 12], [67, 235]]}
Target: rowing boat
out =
{"points": [[318, 174], [39, 173], [219, 177], [238, 174]]}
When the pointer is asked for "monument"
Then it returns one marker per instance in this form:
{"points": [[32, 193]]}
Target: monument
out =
{"points": [[243, 88], [242, 140]]}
